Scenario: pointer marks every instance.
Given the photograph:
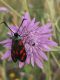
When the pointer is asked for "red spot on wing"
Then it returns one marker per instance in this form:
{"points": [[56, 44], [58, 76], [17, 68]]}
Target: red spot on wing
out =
{"points": [[23, 56], [20, 42], [22, 51]]}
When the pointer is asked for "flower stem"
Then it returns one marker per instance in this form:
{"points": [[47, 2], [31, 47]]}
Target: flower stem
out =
{"points": [[13, 10], [24, 5], [49, 70], [4, 71], [51, 12], [55, 59]]}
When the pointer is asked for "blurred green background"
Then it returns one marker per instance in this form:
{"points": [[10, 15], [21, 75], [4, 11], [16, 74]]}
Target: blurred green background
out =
{"points": [[43, 11]]}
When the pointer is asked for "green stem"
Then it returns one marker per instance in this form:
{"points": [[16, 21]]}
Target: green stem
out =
{"points": [[4, 72], [49, 70], [13, 10], [55, 59], [24, 5], [51, 11], [56, 24]]}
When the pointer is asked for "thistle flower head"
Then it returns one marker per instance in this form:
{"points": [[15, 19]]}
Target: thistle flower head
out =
{"points": [[36, 40]]}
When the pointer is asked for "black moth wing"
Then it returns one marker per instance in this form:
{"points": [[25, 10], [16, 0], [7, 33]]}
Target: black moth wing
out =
{"points": [[18, 51], [13, 50]]}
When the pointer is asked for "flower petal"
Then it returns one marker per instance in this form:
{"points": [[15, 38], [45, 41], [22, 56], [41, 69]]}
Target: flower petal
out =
{"points": [[8, 45], [26, 16], [21, 64], [28, 59], [42, 54], [13, 28], [45, 28], [48, 35], [3, 9], [32, 59], [35, 26], [51, 43], [6, 55], [6, 41], [31, 24], [46, 47], [23, 28], [35, 53], [28, 49], [38, 62]]}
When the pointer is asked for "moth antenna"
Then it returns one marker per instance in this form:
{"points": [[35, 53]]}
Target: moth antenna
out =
{"points": [[21, 24], [6, 25]]}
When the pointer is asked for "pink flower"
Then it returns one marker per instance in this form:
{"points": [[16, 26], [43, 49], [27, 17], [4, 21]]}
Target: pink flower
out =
{"points": [[35, 39], [3, 9]]}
